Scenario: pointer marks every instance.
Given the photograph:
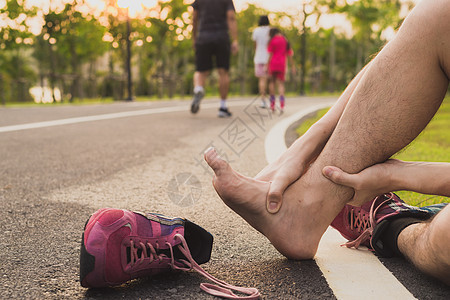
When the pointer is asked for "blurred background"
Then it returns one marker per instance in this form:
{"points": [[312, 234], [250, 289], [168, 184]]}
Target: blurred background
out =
{"points": [[84, 50]]}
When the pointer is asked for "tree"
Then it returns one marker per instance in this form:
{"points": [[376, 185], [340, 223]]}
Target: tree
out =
{"points": [[16, 75], [77, 39], [167, 50]]}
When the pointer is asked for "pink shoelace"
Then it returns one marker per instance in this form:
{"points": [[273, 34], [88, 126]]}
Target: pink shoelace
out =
{"points": [[219, 289], [152, 255], [364, 223]]}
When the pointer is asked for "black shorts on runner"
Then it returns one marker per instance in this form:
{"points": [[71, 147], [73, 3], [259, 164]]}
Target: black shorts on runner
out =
{"points": [[205, 52]]}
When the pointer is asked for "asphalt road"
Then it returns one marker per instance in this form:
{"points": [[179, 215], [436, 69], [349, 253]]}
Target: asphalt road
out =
{"points": [[53, 178]]}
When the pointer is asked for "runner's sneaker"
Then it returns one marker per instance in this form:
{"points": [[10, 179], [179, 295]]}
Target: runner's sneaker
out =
{"points": [[263, 104], [362, 225], [119, 245], [224, 113], [272, 103], [195, 106]]}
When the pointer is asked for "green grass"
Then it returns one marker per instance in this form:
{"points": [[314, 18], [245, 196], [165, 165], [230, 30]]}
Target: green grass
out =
{"points": [[433, 144]]}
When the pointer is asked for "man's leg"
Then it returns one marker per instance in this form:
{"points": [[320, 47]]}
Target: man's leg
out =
{"points": [[395, 99], [427, 245], [199, 89], [200, 78], [224, 83]]}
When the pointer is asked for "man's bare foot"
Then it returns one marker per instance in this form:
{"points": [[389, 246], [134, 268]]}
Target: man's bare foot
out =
{"points": [[294, 231], [244, 195]]}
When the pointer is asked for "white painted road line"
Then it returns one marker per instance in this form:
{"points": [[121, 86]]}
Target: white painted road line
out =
{"points": [[134, 113], [350, 273]]}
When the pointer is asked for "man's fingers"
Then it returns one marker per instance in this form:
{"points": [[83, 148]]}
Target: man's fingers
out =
{"points": [[338, 176]]}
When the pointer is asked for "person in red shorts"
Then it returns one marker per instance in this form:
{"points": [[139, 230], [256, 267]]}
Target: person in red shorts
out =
{"points": [[279, 50]]}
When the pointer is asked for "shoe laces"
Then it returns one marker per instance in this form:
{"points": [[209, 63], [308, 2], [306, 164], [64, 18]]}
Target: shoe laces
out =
{"points": [[146, 251], [219, 289], [365, 223]]}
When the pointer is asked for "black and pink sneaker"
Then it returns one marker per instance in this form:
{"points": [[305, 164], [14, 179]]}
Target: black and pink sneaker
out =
{"points": [[366, 225], [119, 245]]}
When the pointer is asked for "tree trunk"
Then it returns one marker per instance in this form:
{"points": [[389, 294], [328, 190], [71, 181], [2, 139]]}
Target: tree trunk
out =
{"points": [[243, 68], [359, 58], [303, 51], [332, 62], [52, 77], [2, 94]]}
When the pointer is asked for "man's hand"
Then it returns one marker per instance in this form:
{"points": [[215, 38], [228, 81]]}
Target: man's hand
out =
{"points": [[281, 174], [368, 184]]}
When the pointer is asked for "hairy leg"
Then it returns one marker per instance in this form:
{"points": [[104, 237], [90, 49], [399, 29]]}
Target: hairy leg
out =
{"points": [[224, 83], [427, 245], [395, 99]]}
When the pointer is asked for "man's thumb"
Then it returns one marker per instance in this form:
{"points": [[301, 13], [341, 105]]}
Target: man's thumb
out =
{"points": [[274, 198], [337, 176]]}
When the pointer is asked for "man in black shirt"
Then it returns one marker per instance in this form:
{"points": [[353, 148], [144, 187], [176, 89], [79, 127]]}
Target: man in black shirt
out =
{"points": [[214, 21]]}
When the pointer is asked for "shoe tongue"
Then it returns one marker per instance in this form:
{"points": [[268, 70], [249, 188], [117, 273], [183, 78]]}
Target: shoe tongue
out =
{"points": [[395, 207], [386, 209], [199, 242]]}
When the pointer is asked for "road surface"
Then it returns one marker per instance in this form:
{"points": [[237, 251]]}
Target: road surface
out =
{"points": [[60, 164]]}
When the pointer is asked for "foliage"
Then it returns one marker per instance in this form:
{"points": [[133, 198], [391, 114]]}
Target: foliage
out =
{"points": [[432, 145], [15, 41], [72, 39], [83, 52]]}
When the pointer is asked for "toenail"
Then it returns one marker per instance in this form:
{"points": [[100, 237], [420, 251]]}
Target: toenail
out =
{"points": [[208, 150]]}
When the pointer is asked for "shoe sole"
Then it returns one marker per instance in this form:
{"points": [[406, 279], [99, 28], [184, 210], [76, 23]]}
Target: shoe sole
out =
{"points": [[195, 106], [223, 115]]}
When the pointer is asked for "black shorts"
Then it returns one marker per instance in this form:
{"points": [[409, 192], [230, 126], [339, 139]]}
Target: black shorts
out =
{"points": [[206, 51]]}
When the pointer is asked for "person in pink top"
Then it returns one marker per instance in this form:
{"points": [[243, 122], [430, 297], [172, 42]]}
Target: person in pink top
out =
{"points": [[279, 50]]}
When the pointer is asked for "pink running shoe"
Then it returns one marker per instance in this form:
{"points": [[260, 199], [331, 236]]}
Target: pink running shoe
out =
{"points": [[120, 245], [357, 224]]}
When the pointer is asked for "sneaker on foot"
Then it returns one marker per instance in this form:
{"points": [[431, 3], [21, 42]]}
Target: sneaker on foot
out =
{"points": [[224, 113], [119, 245], [358, 224], [263, 104], [272, 106], [195, 106]]}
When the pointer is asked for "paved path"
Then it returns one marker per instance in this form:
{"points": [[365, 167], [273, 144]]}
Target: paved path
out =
{"points": [[59, 164]]}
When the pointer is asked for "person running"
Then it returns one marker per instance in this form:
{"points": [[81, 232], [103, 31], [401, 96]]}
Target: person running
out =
{"points": [[214, 21], [261, 38], [279, 49]]}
